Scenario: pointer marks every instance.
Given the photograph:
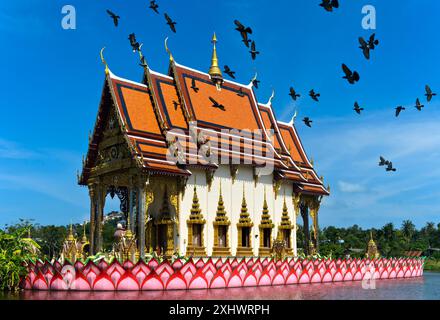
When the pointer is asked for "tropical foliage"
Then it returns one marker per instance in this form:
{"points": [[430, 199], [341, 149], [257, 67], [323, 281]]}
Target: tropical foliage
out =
{"points": [[15, 248]]}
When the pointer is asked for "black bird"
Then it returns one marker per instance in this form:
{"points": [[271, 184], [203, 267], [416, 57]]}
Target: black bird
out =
{"points": [[398, 110], [154, 6], [328, 5], [293, 94], [253, 51], [255, 82], [372, 42], [171, 23], [176, 104], [194, 86], [114, 17], [229, 72], [240, 93], [365, 48], [429, 94], [215, 104], [134, 44], [418, 105], [244, 31], [390, 167], [308, 122], [383, 162], [351, 77], [314, 95], [357, 108]]}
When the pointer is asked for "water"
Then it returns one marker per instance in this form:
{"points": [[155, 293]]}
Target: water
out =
{"points": [[423, 288]]}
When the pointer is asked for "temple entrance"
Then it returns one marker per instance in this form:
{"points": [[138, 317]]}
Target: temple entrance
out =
{"points": [[286, 238], [267, 237], [197, 235], [161, 244], [245, 237], [222, 230]]}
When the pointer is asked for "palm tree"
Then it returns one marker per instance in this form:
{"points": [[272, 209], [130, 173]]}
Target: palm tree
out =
{"points": [[408, 230]]}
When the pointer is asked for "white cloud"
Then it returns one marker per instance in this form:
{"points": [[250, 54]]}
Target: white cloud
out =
{"points": [[350, 187]]}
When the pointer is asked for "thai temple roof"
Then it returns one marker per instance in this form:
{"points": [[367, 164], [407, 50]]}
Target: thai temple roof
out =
{"points": [[164, 103]]}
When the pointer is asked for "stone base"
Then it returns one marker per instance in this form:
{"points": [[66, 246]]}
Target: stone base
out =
{"points": [[195, 251], [264, 252], [221, 251], [244, 252]]}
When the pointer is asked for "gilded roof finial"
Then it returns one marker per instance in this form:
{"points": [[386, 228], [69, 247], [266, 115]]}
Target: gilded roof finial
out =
{"points": [[168, 50], [103, 61], [214, 70], [142, 59], [271, 97], [84, 239], [70, 236], [128, 232]]}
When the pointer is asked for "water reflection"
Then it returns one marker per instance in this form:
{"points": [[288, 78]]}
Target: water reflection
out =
{"points": [[427, 287]]}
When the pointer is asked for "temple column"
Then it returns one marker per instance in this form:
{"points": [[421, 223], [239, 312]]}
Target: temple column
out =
{"points": [[149, 222], [296, 199], [305, 216], [132, 208], [92, 195], [315, 203], [141, 219], [100, 203], [174, 200]]}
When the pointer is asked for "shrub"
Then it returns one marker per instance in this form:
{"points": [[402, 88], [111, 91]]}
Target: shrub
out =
{"points": [[15, 251]]}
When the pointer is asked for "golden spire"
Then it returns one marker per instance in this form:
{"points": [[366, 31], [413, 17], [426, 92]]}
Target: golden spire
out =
{"points": [[70, 236], [168, 50], [84, 238], [214, 70], [103, 61], [128, 233]]}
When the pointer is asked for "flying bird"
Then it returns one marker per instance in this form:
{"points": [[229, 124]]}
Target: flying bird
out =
{"points": [[357, 108], [194, 86], [240, 93], [429, 94], [293, 94], [114, 17], [399, 110], [170, 22], [154, 6], [372, 42], [308, 122], [134, 44], [418, 105], [383, 161], [229, 72], [328, 5], [351, 77], [217, 105], [314, 95], [244, 31], [254, 51], [176, 104], [390, 167], [255, 82], [365, 48]]}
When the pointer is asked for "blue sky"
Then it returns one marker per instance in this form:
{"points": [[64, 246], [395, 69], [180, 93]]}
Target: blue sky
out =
{"points": [[51, 81]]}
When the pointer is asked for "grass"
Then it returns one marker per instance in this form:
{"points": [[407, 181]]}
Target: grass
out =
{"points": [[432, 265]]}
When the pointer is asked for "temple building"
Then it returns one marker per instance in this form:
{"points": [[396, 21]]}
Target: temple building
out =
{"points": [[200, 166]]}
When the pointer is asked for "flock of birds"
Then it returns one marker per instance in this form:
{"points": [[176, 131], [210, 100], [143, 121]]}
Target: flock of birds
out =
{"points": [[351, 76]]}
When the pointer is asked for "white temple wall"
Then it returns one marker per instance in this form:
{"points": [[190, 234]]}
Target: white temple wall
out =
{"points": [[232, 197]]}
